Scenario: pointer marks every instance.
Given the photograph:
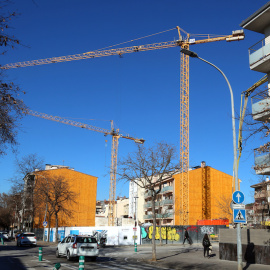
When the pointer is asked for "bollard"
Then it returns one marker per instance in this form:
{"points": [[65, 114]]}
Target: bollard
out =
{"points": [[81, 262], [57, 266], [2, 240], [135, 247], [40, 254]]}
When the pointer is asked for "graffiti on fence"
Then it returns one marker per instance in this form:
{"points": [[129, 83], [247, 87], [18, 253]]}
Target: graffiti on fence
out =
{"points": [[174, 234], [207, 229], [192, 228], [169, 233], [143, 232]]}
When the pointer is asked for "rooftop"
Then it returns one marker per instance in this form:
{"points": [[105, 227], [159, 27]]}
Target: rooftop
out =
{"points": [[259, 20], [260, 184]]}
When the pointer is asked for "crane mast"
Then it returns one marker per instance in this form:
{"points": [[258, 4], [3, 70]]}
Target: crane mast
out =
{"points": [[114, 151], [184, 102]]}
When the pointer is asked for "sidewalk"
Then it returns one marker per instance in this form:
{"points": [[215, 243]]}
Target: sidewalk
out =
{"points": [[179, 257], [170, 256]]}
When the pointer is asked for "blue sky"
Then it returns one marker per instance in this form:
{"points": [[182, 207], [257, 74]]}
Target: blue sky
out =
{"points": [[140, 91]]}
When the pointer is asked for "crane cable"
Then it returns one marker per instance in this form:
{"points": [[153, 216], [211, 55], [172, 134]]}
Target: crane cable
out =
{"points": [[136, 39]]}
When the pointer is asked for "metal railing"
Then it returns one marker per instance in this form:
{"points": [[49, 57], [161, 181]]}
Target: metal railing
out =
{"points": [[258, 51], [167, 189]]}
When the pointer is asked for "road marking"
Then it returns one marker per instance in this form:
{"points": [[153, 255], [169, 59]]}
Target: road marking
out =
{"points": [[68, 266], [43, 260]]}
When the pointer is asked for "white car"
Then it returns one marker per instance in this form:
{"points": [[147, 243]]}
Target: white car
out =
{"points": [[27, 238], [74, 246]]}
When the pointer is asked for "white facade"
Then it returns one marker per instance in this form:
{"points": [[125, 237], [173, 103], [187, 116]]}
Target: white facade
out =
{"points": [[115, 235]]}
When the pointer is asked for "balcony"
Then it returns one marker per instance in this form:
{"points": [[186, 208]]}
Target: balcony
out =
{"points": [[261, 109], [167, 189], [262, 159], [262, 194], [145, 217], [167, 215], [167, 202], [148, 194], [262, 164], [259, 57], [148, 205]]}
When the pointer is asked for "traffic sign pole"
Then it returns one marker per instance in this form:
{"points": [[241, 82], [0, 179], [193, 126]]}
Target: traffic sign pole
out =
{"points": [[45, 223], [239, 216]]}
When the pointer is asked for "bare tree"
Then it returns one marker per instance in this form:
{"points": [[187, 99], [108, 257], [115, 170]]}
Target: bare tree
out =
{"points": [[23, 185], [223, 203], [26, 165], [5, 211], [58, 196], [11, 105], [147, 168], [29, 163]]}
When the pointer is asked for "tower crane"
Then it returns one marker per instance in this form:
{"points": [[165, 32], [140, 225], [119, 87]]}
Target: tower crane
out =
{"points": [[184, 43], [114, 151]]}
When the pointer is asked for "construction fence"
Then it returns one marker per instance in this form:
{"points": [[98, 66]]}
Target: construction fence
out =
{"points": [[175, 234], [127, 235]]}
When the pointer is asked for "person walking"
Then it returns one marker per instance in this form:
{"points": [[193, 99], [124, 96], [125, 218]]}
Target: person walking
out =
{"points": [[206, 245], [186, 237]]}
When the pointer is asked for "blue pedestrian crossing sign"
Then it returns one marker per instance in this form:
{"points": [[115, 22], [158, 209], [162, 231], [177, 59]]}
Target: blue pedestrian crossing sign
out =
{"points": [[239, 216], [238, 197]]}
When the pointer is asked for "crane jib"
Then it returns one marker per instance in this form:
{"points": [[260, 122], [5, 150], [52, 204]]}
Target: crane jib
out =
{"points": [[94, 54]]}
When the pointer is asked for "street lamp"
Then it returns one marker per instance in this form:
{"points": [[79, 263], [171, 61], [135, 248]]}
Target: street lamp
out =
{"points": [[239, 245]]}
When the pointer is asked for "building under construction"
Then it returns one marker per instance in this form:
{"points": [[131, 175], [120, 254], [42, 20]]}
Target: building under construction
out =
{"points": [[84, 187], [209, 197]]}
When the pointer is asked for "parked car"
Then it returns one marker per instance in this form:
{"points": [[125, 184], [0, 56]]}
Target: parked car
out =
{"points": [[17, 235], [74, 246], [4, 235], [26, 238]]}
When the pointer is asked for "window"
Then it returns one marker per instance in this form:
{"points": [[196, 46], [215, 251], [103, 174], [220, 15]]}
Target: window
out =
{"points": [[64, 240], [125, 237], [86, 240], [29, 234]]}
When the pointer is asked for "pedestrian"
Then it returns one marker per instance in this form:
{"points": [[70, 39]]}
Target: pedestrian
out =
{"points": [[186, 237], [206, 245]]}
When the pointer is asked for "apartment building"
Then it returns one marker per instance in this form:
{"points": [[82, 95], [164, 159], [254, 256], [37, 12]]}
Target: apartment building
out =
{"points": [[259, 60], [261, 213], [210, 190]]}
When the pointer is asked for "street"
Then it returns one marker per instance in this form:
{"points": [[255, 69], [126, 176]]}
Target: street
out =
{"points": [[118, 257], [22, 258]]}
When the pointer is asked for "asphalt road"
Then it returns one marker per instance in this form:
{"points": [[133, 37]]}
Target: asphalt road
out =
{"points": [[22, 258], [119, 258]]}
